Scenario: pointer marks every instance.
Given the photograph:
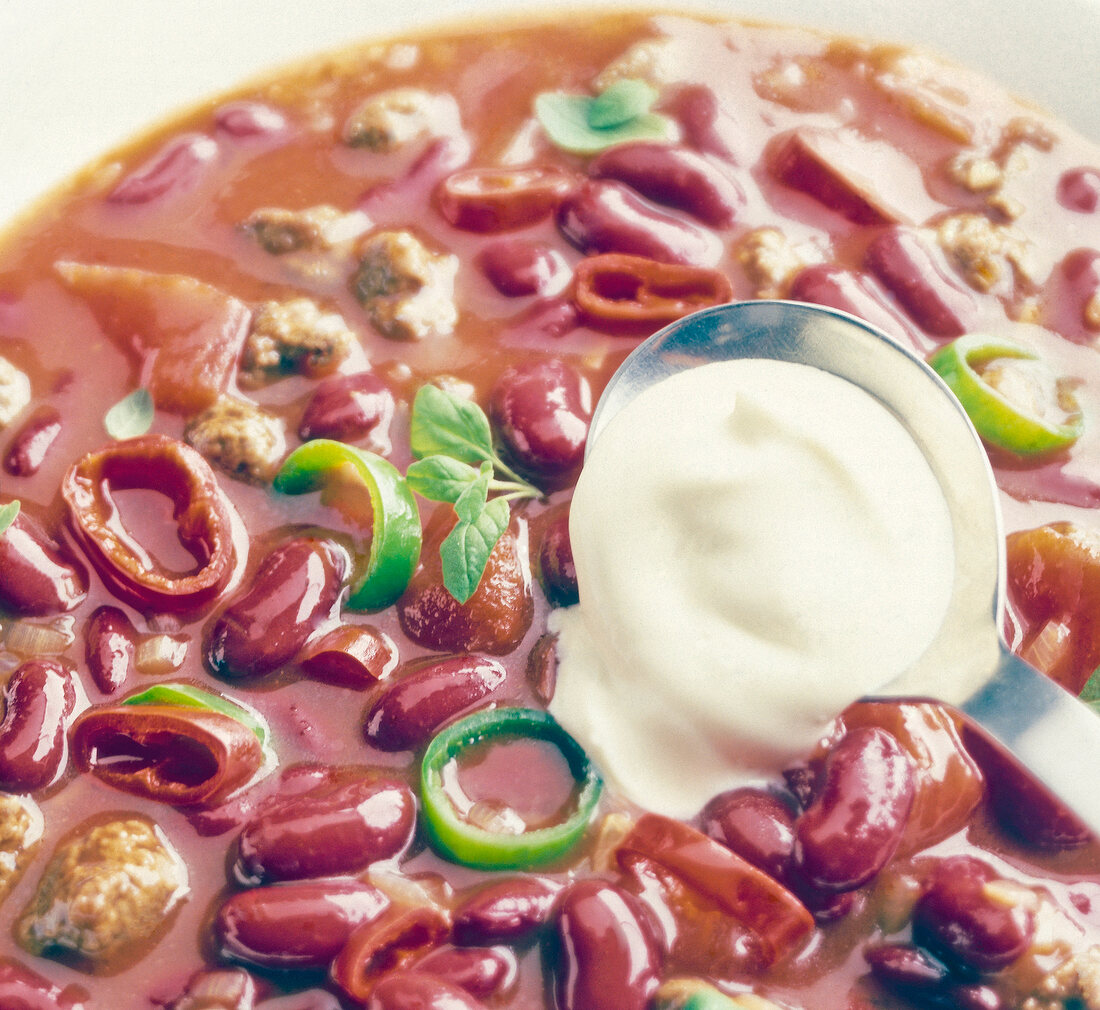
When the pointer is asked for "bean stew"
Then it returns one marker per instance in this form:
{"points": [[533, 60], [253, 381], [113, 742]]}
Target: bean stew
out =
{"points": [[293, 395]]}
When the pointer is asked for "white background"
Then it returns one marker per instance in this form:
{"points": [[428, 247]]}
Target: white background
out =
{"points": [[78, 76]]}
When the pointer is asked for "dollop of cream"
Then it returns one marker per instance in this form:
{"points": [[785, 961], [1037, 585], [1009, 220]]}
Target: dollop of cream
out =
{"points": [[758, 544]]}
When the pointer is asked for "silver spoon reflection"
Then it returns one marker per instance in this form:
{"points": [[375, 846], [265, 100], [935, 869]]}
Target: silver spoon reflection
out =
{"points": [[967, 665]]}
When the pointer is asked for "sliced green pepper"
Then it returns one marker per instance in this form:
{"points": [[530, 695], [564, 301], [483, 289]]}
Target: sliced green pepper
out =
{"points": [[395, 531], [999, 421], [472, 845], [189, 696]]}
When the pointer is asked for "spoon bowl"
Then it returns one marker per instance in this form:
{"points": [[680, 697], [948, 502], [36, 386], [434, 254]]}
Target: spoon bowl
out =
{"points": [[967, 664]]}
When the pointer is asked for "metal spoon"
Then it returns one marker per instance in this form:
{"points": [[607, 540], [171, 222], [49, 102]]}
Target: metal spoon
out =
{"points": [[1048, 730]]}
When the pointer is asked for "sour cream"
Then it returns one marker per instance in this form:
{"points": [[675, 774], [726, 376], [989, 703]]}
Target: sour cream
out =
{"points": [[758, 544]]}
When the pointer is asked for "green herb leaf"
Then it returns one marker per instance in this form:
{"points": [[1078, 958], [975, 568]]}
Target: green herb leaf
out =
{"points": [[621, 102], [131, 416], [471, 503], [568, 119], [440, 478], [465, 552], [7, 515], [188, 696], [1090, 693], [446, 424]]}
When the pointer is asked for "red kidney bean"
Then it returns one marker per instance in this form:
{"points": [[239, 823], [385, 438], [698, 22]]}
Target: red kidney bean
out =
{"points": [[481, 971], [853, 826], [496, 199], [395, 939], [498, 615], [518, 267], [546, 319], [1073, 286], [756, 825], [356, 656], [298, 926], [1079, 190], [174, 168], [391, 200], [541, 410], [556, 570], [705, 124], [110, 640], [40, 701], [857, 293], [416, 990], [36, 578], [406, 713], [347, 408], [293, 591], [23, 989], [249, 119], [542, 667], [956, 920], [607, 216], [32, 441], [676, 177], [328, 831], [919, 277], [905, 968], [511, 911], [606, 957]]}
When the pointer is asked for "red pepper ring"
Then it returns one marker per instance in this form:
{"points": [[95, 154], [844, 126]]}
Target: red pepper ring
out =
{"points": [[623, 291], [208, 525], [497, 199], [187, 757], [749, 895], [396, 938]]}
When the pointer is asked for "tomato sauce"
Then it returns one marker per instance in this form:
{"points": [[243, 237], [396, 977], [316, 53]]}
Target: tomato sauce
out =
{"points": [[153, 269]]}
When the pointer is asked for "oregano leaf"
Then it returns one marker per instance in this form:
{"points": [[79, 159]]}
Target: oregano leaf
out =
{"points": [[446, 424], [131, 416], [1090, 693], [567, 121], [469, 505], [440, 478], [7, 514], [621, 102], [465, 552]]}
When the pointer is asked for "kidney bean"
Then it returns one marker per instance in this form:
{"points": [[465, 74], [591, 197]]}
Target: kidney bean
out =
{"points": [[518, 267], [541, 410], [417, 990], [756, 825], [546, 319], [328, 831], [605, 956], [293, 591], [406, 713], [175, 167], [849, 291], [854, 825], [481, 971], [32, 441], [36, 577], [356, 656], [390, 200], [542, 667], [494, 620], [706, 124], [496, 199], [1071, 299], [676, 177], [347, 408], [249, 119], [510, 911], [556, 571], [958, 920], [395, 939], [1079, 190], [919, 277], [110, 640], [23, 989], [299, 926], [40, 700], [912, 973], [607, 216]]}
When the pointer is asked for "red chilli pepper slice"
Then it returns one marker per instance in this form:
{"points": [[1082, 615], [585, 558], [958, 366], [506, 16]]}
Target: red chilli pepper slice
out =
{"points": [[396, 938], [496, 199], [208, 525], [619, 290], [183, 756], [748, 894]]}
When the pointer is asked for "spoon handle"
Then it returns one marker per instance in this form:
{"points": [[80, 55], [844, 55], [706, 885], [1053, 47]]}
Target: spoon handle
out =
{"points": [[1046, 729]]}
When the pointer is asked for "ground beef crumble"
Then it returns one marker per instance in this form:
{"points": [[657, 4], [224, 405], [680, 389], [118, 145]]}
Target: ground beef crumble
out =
{"points": [[240, 438], [21, 828], [294, 336]]}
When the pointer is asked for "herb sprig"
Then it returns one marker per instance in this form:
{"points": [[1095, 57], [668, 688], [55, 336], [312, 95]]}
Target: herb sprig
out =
{"points": [[585, 124], [131, 416], [7, 514], [456, 462]]}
